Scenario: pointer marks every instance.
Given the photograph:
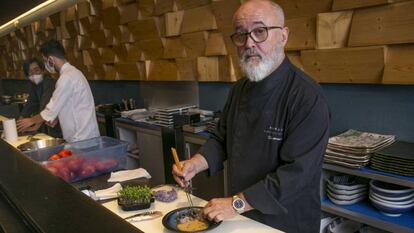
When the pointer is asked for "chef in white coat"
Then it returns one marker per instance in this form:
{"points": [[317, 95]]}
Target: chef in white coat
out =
{"points": [[72, 101]]}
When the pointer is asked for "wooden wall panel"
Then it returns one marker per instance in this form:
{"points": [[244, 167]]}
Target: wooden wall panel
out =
{"points": [[347, 65], [190, 39], [304, 8], [389, 24], [195, 43], [192, 22], [302, 33], [130, 71], [352, 4], [162, 70], [188, 4], [215, 45], [208, 69], [173, 21], [332, 29], [174, 48], [399, 67]]}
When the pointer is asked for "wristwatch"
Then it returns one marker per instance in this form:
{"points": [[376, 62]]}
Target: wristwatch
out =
{"points": [[238, 204]]}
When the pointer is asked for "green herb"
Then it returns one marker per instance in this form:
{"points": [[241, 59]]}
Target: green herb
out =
{"points": [[136, 194]]}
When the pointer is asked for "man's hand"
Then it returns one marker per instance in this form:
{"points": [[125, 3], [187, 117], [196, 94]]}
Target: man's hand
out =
{"points": [[33, 128], [218, 209], [25, 124], [183, 176], [189, 169]]}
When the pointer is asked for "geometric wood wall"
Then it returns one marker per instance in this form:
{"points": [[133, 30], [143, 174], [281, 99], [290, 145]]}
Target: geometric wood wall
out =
{"points": [[335, 41]]}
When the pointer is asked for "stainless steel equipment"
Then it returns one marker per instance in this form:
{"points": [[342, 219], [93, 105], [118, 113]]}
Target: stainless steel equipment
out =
{"points": [[40, 144]]}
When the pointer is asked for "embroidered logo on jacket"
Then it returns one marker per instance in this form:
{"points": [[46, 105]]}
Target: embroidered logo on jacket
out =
{"points": [[274, 133]]}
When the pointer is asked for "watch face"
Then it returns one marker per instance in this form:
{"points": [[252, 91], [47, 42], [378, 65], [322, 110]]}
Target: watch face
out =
{"points": [[238, 204]]}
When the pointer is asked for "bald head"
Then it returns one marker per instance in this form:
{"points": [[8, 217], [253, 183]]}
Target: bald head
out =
{"points": [[269, 11]]}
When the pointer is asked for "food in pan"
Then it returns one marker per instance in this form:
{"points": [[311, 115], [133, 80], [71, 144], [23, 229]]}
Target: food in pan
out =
{"points": [[191, 220]]}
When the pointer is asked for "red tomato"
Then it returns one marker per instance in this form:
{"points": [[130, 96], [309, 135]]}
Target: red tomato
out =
{"points": [[54, 157], [65, 153]]}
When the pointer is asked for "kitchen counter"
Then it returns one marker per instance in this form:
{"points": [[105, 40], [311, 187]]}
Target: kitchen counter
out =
{"points": [[239, 224]]}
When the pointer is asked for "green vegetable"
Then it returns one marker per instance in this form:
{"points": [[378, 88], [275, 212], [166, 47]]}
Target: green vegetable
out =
{"points": [[136, 194]]}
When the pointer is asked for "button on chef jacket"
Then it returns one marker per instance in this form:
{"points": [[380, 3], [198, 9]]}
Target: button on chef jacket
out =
{"points": [[273, 134], [73, 103]]}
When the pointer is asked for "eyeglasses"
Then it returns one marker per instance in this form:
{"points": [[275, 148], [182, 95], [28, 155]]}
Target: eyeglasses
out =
{"points": [[258, 35]]}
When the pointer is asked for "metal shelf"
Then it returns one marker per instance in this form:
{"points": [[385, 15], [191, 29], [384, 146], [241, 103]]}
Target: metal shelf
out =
{"points": [[363, 212], [373, 174]]}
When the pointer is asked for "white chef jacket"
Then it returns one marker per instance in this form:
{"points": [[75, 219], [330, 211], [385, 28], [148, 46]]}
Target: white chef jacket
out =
{"points": [[73, 103]]}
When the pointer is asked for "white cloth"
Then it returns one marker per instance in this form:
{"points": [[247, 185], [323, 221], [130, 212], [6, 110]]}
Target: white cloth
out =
{"points": [[129, 175], [108, 193], [73, 103]]}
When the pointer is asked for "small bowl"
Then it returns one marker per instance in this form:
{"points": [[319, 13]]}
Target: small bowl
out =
{"points": [[346, 197], [389, 190], [39, 144], [351, 186], [347, 192], [393, 199], [390, 210], [402, 203]]}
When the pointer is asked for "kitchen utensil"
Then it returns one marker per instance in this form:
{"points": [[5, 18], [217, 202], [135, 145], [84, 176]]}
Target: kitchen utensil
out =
{"points": [[34, 145], [187, 190], [170, 219], [148, 215]]}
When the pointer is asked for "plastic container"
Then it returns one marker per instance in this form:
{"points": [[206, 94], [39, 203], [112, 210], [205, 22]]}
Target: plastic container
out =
{"points": [[89, 158]]}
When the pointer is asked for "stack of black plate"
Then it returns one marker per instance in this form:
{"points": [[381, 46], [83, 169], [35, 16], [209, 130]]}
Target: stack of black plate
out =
{"points": [[346, 190], [354, 148], [397, 158]]}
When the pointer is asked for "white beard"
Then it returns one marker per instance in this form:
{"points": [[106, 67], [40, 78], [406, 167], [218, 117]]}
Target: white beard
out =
{"points": [[257, 73]]}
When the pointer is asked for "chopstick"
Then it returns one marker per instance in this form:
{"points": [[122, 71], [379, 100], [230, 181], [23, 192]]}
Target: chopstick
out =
{"points": [[177, 163]]}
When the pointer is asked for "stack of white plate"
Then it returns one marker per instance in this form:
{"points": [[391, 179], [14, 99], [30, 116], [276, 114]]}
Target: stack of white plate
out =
{"points": [[354, 148], [392, 200], [346, 190]]}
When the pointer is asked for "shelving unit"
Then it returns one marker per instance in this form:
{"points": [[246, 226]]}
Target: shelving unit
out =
{"points": [[373, 174], [363, 211]]}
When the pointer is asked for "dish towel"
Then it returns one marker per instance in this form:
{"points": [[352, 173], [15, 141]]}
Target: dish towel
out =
{"points": [[129, 175], [108, 193]]}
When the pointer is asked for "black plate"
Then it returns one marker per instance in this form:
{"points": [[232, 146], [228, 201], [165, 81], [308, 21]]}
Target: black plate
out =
{"points": [[169, 220]]}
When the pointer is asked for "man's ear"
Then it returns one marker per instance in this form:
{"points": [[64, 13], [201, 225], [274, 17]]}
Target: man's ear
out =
{"points": [[285, 35]]}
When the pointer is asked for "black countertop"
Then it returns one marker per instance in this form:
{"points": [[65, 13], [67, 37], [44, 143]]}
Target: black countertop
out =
{"points": [[34, 200]]}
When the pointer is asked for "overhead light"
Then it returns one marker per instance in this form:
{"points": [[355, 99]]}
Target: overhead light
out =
{"points": [[15, 21]]}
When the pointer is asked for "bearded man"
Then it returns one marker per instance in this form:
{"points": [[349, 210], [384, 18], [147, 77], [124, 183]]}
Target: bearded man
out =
{"points": [[273, 131]]}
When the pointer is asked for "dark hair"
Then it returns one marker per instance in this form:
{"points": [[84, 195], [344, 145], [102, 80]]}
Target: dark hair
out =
{"points": [[28, 62], [54, 48]]}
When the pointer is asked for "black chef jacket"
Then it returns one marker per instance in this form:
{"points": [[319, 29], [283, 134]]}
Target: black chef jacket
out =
{"points": [[39, 96], [273, 133]]}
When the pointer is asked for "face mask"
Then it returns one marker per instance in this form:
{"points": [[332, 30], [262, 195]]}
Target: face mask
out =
{"points": [[36, 78], [50, 66]]}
